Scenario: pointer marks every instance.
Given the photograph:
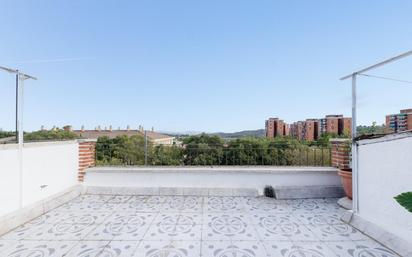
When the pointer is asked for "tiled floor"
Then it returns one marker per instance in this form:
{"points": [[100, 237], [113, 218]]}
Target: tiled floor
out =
{"points": [[182, 226]]}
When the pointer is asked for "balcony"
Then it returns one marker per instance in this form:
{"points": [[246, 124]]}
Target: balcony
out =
{"points": [[71, 209]]}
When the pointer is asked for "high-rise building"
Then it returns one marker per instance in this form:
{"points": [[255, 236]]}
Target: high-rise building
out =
{"points": [[275, 127], [399, 122], [310, 129], [335, 124], [297, 130]]}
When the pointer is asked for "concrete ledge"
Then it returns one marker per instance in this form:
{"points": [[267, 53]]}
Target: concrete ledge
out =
{"points": [[207, 169], [187, 191], [19, 217], [169, 180], [393, 242], [302, 192]]}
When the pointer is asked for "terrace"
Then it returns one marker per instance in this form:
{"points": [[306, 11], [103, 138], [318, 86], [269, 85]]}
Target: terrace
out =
{"points": [[219, 211], [178, 226], [57, 202]]}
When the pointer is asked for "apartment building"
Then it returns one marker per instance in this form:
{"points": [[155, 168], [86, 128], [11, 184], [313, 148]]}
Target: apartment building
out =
{"points": [[312, 129], [335, 124], [296, 130], [275, 127], [399, 122]]}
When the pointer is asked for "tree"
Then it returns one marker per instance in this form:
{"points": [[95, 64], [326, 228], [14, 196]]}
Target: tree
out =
{"points": [[203, 150], [56, 134]]}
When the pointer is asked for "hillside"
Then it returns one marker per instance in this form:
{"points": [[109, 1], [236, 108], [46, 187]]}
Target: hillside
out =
{"points": [[243, 133]]}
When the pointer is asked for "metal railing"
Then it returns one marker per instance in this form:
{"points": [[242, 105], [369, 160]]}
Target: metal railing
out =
{"points": [[109, 155]]}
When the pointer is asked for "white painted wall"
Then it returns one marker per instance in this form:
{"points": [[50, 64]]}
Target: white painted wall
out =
{"points": [[212, 177], [385, 170], [54, 164]]}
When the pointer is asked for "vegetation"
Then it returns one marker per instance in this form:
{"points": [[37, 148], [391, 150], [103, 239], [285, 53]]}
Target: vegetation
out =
{"points": [[405, 199], [4, 134], [212, 150], [55, 134], [373, 129], [244, 133]]}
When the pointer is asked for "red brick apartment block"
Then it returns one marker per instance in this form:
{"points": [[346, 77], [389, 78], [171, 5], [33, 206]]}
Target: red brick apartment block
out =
{"points": [[332, 124], [87, 158], [399, 122], [341, 153], [275, 127], [311, 129]]}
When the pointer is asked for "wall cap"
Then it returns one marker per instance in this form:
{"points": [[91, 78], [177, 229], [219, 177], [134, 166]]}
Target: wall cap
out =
{"points": [[339, 140], [85, 140], [222, 169], [386, 138]]}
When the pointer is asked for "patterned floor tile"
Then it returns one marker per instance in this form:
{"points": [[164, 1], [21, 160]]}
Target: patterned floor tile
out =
{"points": [[266, 205], [24, 231], [119, 249], [211, 216], [283, 230], [38, 248], [168, 248], [119, 199], [4, 244], [233, 249], [336, 232], [360, 249], [226, 227], [258, 218], [289, 249], [318, 218], [87, 249], [91, 198], [62, 231], [186, 226], [174, 232], [183, 204], [178, 218], [223, 204]]}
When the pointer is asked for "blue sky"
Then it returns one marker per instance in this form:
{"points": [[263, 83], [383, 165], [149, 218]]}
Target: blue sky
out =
{"points": [[200, 65]]}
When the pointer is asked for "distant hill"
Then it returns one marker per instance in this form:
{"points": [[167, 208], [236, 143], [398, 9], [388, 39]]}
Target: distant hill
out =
{"points": [[244, 133]]}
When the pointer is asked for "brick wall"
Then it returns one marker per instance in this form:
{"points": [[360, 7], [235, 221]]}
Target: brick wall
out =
{"points": [[341, 151], [87, 150]]}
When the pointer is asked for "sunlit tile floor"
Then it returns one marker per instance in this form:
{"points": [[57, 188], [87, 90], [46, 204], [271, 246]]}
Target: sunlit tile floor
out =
{"points": [[182, 226]]}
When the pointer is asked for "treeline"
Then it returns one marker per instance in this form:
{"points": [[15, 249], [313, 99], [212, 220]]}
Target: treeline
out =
{"points": [[43, 135], [212, 150]]}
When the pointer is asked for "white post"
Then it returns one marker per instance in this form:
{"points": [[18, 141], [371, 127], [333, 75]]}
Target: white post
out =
{"points": [[20, 135], [355, 176]]}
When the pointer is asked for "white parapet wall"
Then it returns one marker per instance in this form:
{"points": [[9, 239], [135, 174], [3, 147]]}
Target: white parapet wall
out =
{"points": [[48, 168], [293, 181], [385, 170]]}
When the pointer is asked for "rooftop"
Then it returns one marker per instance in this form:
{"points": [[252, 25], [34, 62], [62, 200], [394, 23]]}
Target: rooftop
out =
{"points": [[185, 226]]}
